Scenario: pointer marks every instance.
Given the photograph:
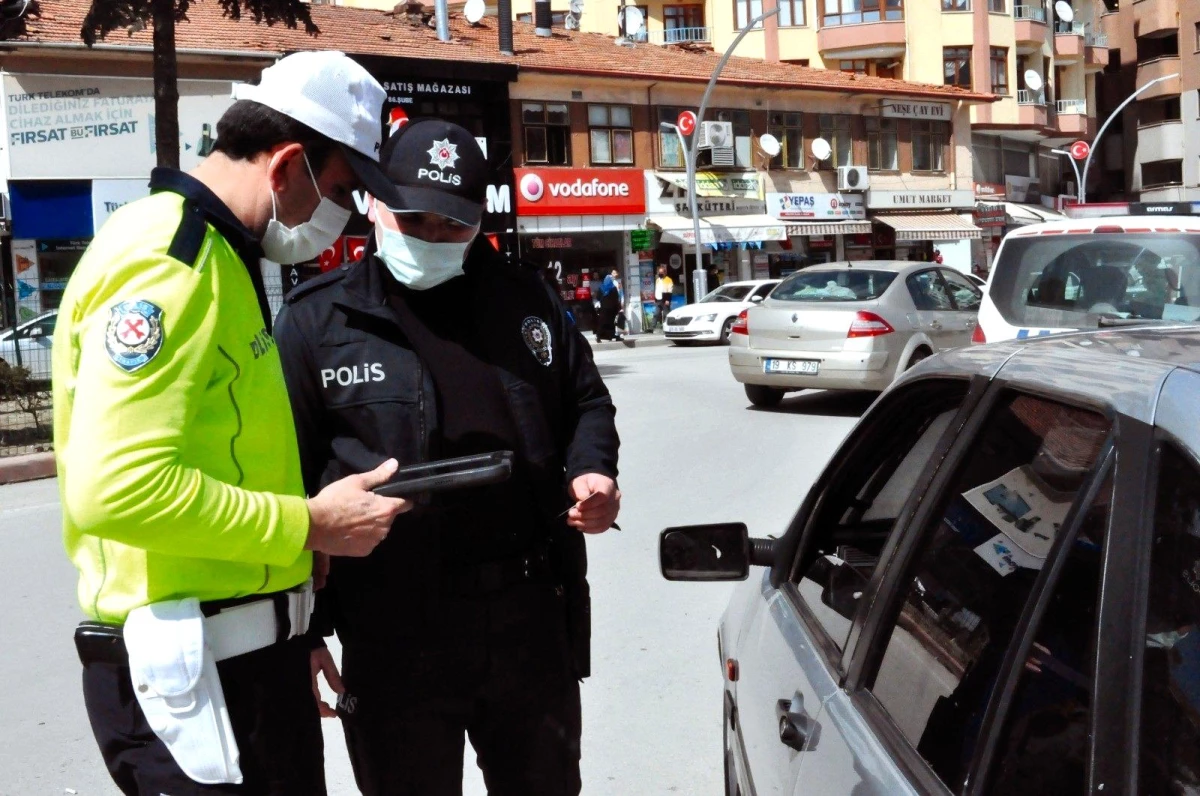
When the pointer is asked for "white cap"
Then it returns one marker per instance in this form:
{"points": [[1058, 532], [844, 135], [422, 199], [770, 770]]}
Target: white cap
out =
{"points": [[332, 94]]}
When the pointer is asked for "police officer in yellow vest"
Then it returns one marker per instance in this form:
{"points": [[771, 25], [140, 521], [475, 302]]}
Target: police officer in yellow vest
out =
{"points": [[183, 502]]}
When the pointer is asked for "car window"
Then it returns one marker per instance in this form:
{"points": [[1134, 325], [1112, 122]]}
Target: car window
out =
{"points": [[965, 294], [727, 293], [1043, 748], [929, 292], [851, 284], [1170, 731], [43, 327], [859, 509], [967, 583], [762, 290]]}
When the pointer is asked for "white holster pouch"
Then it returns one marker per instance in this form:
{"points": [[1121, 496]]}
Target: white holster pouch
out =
{"points": [[175, 679]]}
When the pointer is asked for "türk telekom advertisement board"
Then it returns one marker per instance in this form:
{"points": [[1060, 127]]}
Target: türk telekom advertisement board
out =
{"points": [[580, 192]]}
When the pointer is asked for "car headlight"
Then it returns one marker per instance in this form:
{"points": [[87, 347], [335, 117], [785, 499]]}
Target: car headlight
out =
{"points": [[707, 318]]}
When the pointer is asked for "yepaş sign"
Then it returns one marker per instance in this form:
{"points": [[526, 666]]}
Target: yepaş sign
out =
{"points": [[78, 127]]}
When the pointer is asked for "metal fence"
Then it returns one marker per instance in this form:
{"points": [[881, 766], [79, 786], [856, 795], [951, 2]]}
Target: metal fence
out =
{"points": [[26, 408]]}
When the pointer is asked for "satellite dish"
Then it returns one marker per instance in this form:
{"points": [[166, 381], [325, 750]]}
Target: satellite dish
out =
{"points": [[474, 11], [1033, 80], [769, 144], [1063, 10], [821, 149], [635, 21]]}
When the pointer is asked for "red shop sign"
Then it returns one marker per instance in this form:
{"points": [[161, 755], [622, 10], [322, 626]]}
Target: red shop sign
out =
{"points": [[580, 192]]}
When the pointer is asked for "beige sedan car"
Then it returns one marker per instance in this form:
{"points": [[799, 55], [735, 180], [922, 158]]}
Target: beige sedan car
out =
{"points": [[850, 326]]}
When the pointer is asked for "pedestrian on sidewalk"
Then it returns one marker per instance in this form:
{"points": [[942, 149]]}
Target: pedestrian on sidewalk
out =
{"points": [[472, 618], [179, 470], [610, 305], [664, 291]]}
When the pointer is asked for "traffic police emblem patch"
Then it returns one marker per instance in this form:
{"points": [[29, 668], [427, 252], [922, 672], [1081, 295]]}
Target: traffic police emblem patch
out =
{"points": [[134, 335], [537, 336]]}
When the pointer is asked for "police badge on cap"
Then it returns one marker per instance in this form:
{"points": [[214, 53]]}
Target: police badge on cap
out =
{"points": [[134, 335], [536, 333]]}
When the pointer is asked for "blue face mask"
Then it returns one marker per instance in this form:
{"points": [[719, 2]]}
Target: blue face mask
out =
{"points": [[417, 263]]}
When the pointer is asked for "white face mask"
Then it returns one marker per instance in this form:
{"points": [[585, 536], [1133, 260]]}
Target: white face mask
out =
{"points": [[417, 263], [305, 241]]}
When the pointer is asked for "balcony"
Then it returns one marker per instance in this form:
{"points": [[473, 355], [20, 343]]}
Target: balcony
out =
{"points": [[871, 39], [1068, 40], [1160, 141], [1151, 17], [680, 36], [1031, 108], [1159, 67], [1071, 117], [1031, 28]]}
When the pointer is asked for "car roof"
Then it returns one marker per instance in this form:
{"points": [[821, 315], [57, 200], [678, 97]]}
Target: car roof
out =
{"points": [[1123, 368], [1115, 224], [746, 282], [896, 266]]}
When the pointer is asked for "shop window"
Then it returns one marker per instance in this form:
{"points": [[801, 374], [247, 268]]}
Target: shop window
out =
{"points": [[856, 67], [835, 128], [854, 12], [956, 66], [929, 141], [791, 13], [883, 149], [547, 133], [789, 129], [746, 10], [999, 59], [610, 134]]}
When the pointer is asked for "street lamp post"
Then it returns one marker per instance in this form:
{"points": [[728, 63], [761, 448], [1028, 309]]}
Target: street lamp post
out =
{"points": [[1095, 141], [1074, 165]]}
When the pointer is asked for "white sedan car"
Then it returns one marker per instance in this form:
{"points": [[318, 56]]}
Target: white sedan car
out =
{"points": [[711, 318], [34, 337]]}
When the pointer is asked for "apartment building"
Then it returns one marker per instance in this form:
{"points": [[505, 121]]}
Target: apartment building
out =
{"points": [[1152, 153]]}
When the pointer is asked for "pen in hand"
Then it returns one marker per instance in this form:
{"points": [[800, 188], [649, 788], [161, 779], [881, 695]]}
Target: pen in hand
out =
{"points": [[580, 504]]}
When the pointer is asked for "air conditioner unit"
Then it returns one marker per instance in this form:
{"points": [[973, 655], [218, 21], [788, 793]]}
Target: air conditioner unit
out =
{"points": [[723, 156], [715, 134], [853, 178]]}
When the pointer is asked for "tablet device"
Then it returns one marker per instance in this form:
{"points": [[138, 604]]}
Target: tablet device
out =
{"points": [[446, 474]]}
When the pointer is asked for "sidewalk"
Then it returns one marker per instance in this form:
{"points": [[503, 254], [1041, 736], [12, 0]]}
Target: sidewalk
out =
{"points": [[630, 341], [28, 467]]}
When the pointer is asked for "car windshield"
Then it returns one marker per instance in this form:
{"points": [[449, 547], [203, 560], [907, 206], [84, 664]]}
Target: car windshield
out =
{"points": [[728, 293], [1078, 281], [852, 284]]}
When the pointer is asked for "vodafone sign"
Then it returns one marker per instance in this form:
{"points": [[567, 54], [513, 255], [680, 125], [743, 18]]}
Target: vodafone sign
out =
{"points": [[580, 192]]}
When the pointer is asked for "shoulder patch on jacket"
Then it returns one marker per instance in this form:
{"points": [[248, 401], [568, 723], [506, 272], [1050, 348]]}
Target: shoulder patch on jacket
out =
{"points": [[189, 236], [316, 283]]}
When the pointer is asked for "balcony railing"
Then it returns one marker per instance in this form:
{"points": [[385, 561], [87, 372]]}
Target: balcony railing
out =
{"points": [[1028, 97], [1095, 39], [680, 36], [1030, 12], [1064, 28], [1078, 106]]}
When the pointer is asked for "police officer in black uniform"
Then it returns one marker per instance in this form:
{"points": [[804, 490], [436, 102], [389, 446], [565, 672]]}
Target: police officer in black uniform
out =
{"points": [[472, 617]]}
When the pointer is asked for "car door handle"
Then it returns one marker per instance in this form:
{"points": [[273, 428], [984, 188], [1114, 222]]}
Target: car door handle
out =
{"points": [[935, 325], [796, 727], [971, 323]]}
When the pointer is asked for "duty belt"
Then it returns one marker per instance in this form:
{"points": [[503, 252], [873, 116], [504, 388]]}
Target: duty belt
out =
{"points": [[231, 627], [493, 576]]}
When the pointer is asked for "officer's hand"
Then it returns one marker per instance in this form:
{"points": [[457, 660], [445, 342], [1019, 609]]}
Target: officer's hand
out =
{"points": [[348, 519], [321, 661], [598, 513]]}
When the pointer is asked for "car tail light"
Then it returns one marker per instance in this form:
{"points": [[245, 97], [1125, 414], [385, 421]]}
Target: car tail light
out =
{"points": [[741, 325], [978, 336], [868, 324]]}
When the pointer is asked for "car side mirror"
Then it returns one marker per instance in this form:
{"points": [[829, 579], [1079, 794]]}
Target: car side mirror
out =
{"points": [[723, 551], [756, 299]]}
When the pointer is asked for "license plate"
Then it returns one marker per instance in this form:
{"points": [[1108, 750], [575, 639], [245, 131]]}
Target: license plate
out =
{"points": [[803, 367], [676, 328]]}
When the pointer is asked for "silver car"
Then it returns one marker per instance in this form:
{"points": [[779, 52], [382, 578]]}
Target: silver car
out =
{"points": [[994, 587], [34, 338], [850, 326]]}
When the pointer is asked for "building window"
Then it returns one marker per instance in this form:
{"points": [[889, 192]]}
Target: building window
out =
{"points": [[999, 70], [796, 61], [547, 133], [746, 10], [854, 12], [997, 7], [883, 149], [835, 128], [670, 152], [956, 66], [1198, 37], [893, 69], [683, 17], [791, 13], [857, 67], [1162, 173], [558, 19], [956, 5], [789, 129], [610, 134], [929, 145], [644, 34]]}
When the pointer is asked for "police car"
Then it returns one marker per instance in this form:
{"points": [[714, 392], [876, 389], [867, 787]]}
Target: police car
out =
{"points": [[1090, 273]]}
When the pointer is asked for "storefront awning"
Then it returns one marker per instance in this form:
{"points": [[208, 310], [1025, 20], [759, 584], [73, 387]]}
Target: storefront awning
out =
{"points": [[720, 229], [930, 226], [1020, 214], [745, 185], [801, 228]]}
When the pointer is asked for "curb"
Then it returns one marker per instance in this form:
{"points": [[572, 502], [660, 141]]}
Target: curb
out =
{"points": [[630, 341], [29, 467]]}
